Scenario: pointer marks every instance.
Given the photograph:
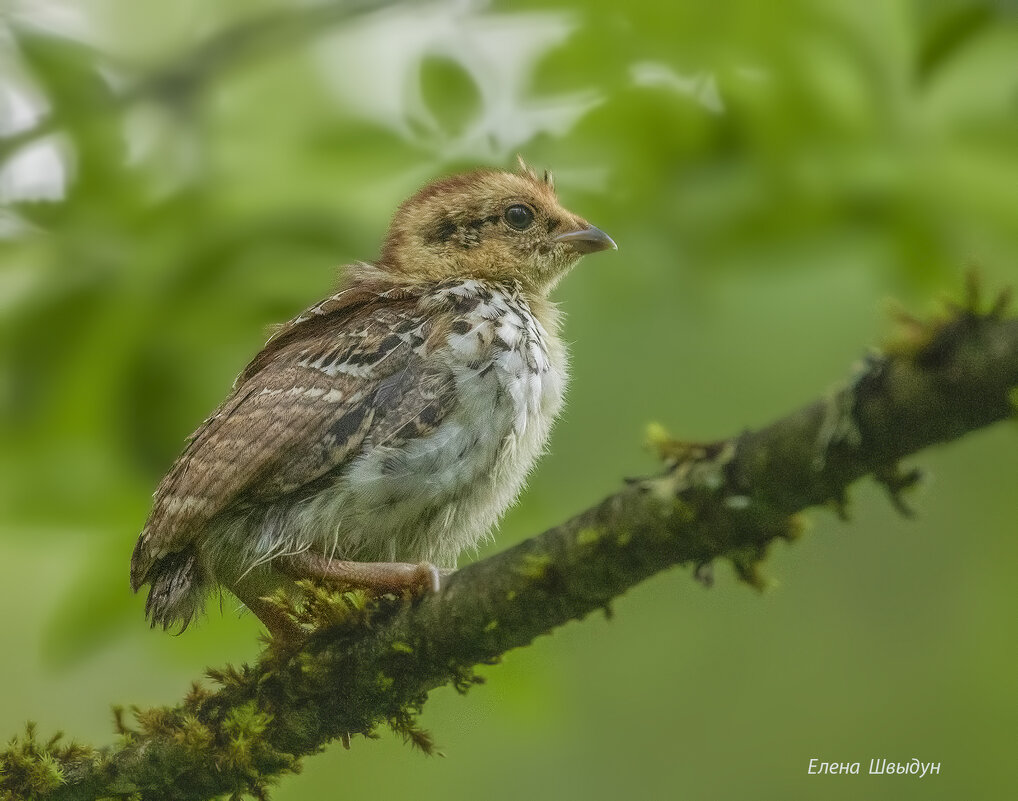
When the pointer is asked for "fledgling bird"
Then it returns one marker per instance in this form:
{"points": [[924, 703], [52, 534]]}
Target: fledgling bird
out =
{"points": [[388, 427]]}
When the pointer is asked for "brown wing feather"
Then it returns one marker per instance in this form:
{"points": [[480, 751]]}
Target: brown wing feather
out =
{"points": [[322, 317], [289, 422]]}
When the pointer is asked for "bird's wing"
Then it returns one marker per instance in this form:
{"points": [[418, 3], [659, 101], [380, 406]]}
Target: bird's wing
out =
{"points": [[323, 316], [303, 413]]}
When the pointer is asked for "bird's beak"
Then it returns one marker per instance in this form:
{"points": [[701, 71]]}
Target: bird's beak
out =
{"points": [[587, 240]]}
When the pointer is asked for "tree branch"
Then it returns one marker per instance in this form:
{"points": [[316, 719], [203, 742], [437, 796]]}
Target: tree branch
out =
{"points": [[372, 663]]}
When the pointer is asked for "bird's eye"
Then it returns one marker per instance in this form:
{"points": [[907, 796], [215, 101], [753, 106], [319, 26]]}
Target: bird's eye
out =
{"points": [[519, 216]]}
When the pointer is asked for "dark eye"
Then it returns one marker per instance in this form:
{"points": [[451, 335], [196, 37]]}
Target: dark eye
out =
{"points": [[519, 216]]}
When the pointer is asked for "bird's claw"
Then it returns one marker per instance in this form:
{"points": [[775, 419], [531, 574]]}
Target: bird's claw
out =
{"points": [[426, 579]]}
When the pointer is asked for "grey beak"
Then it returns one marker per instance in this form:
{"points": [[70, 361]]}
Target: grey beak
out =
{"points": [[587, 240]]}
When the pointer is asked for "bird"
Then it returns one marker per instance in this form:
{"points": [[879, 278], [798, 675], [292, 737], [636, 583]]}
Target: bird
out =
{"points": [[386, 428]]}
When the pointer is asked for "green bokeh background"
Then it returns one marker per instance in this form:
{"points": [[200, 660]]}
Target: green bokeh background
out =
{"points": [[772, 172]]}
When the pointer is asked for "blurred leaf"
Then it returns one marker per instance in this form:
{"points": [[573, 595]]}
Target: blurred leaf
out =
{"points": [[450, 94], [68, 72], [949, 30]]}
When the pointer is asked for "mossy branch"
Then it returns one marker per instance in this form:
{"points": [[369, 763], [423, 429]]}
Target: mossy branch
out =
{"points": [[372, 663]]}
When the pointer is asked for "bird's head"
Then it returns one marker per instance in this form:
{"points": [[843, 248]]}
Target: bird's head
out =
{"points": [[490, 225]]}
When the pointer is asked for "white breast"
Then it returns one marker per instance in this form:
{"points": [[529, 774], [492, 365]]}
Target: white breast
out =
{"points": [[510, 375]]}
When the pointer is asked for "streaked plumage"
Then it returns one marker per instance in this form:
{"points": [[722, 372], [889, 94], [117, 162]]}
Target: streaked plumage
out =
{"points": [[393, 421]]}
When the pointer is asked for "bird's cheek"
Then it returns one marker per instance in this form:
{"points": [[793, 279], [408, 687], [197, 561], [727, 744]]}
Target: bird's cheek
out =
{"points": [[557, 262]]}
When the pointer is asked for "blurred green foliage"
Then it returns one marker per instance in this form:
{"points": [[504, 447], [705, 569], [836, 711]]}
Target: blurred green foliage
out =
{"points": [[771, 172]]}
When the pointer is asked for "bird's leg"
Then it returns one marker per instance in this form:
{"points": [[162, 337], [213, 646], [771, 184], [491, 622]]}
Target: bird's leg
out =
{"points": [[279, 625], [380, 577]]}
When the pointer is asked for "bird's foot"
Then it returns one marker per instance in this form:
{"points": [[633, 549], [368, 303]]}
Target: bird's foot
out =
{"points": [[377, 577], [285, 630]]}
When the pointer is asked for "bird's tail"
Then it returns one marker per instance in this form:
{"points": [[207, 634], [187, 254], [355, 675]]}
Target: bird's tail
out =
{"points": [[179, 586]]}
